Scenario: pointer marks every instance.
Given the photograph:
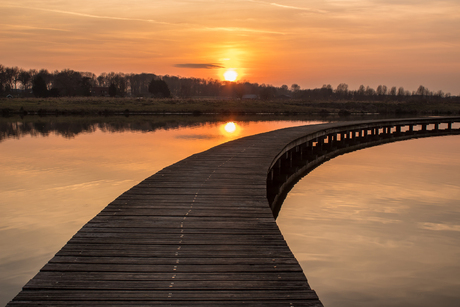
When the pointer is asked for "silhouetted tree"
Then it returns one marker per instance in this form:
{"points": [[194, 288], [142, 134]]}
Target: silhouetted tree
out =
{"points": [[68, 82], [102, 80], [139, 83], [2, 78], [85, 86], [422, 91], [267, 92], [284, 89], [381, 90], [47, 77], [39, 88], [12, 75], [342, 90], [119, 81], [159, 89], [112, 90], [369, 91], [25, 77], [393, 91]]}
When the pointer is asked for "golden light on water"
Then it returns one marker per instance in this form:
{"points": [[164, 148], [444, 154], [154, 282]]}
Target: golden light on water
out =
{"points": [[230, 127], [230, 75], [230, 130]]}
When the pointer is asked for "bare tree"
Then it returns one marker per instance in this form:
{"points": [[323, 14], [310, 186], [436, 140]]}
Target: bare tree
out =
{"points": [[13, 74], [25, 77], [342, 88], [393, 91], [381, 90], [295, 88]]}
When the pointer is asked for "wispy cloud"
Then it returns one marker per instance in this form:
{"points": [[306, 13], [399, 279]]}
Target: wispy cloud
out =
{"points": [[186, 25], [238, 29], [205, 66], [24, 27], [90, 15], [439, 227], [290, 7], [298, 8]]}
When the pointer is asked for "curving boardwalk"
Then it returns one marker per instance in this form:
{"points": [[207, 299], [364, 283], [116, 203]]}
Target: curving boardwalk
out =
{"points": [[200, 232]]}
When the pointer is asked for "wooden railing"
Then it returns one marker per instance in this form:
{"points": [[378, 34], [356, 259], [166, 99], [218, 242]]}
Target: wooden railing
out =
{"points": [[304, 154]]}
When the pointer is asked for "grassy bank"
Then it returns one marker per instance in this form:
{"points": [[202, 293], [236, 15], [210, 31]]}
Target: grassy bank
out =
{"points": [[113, 106]]}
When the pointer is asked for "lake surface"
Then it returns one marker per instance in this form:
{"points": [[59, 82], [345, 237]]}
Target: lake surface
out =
{"points": [[380, 226], [57, 175]]}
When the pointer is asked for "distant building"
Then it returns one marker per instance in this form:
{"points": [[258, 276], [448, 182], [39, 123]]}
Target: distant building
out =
{"points": [[99, 91]]}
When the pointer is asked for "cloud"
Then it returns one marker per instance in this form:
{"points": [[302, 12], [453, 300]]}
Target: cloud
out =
{"points": [[24, 27], [205, 66], [439, 227], [298, 8], [238, 29], [289, 6], [89, 15]]}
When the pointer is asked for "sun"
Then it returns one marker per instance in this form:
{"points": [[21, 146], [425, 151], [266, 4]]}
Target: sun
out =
{"points": [[230, 75]]}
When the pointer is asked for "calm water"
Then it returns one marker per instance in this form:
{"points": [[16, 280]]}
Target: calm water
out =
{"points": [[381, 226], [56, 176], [368, 230]]}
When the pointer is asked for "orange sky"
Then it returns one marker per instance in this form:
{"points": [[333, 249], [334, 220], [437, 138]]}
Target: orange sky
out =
{"points": [[311, 43]]}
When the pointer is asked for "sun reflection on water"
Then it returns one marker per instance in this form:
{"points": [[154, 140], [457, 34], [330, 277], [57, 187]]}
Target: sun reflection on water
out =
{"points": [[230, 129]]}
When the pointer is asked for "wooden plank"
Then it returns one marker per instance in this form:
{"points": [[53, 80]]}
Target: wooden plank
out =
{"points": [[247, 303], [172, 261], [221, 285], [219, 238], [170, 251], [243, 232], [138, 295], [195, 268], [147, 276]]}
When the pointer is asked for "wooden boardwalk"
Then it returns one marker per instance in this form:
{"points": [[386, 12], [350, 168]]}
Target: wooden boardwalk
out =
{"points": [[201, 232], [198, 233]]}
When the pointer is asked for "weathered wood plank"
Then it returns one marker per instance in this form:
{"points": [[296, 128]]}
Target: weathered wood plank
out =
{"points": [[221, 285], [145, 276], [140, 295], [195, 268], [247, 303], [172, 261], [244, 232]]}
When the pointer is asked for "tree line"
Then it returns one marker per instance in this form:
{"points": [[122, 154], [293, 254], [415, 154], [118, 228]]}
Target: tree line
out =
{"points": [[42, 83]]}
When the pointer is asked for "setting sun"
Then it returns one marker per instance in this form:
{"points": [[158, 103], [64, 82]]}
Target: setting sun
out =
{"points": [[230, 75]]}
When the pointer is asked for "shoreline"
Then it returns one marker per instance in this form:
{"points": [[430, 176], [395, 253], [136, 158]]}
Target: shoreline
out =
{"points": [[103, 106]]}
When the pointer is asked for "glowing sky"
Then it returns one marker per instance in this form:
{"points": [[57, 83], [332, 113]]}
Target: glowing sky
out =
{"points": [[311, 43]]}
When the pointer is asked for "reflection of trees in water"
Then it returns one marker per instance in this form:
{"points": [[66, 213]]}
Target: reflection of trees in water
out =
{"points": [[70, 127], [20, 129]]}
